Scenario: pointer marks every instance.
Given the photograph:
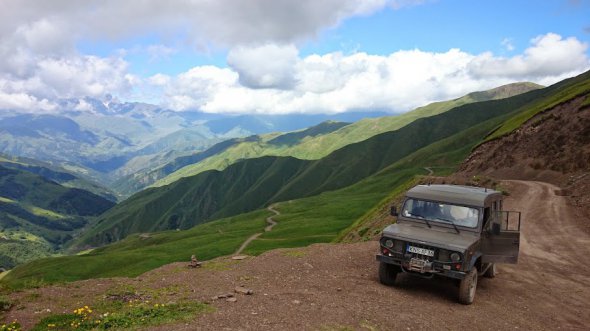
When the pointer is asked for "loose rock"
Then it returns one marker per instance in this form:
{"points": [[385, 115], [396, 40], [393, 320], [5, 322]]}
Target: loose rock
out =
{"points": [[243, 290]]}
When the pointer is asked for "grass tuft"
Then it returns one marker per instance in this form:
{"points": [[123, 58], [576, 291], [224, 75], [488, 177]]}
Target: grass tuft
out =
{"points": [[118, 315]]}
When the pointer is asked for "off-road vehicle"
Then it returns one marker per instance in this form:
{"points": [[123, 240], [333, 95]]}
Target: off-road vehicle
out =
{"points": [[452, 231]]}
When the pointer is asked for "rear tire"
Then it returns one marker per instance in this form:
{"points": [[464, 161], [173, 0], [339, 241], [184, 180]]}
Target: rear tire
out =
{"points": [[387, 273], [491, 272], [467, 287]]}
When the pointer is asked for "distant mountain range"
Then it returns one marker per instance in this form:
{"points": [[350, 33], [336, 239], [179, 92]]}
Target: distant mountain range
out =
{"points": [[105, 139]]}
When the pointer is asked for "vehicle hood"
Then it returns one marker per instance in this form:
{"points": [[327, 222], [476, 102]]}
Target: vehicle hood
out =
{"points": [[431, 236]]}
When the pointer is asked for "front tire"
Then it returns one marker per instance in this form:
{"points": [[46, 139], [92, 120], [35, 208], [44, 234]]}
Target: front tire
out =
{"points": [[387, 273], [467, 287]]}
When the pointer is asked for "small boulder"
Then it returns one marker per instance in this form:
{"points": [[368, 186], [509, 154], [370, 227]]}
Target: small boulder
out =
{"points": [[243, 290]]}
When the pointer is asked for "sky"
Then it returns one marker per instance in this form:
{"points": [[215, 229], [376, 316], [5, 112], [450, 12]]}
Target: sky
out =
{"points": [[283, 56]]}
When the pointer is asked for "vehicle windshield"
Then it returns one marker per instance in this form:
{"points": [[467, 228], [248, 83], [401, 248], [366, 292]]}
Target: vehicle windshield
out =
{"points": [[441, 212]]}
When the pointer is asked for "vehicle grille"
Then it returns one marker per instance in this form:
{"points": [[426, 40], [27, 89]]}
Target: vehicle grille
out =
{"points": [[410, 255], [443, 255]]}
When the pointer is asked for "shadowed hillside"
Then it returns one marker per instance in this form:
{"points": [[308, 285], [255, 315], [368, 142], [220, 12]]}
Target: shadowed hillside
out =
{"points": [[38, 216], [311, 146], [255, 183]]}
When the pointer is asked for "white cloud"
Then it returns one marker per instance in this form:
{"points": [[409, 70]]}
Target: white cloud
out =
{"points": [[220, 22], [74, 77], [266, 74], [549, 56], [40, 61], [23, 101], [267, 66], [159, 52], [194, 88], [337, 83], [159, 80], [507, 43]]}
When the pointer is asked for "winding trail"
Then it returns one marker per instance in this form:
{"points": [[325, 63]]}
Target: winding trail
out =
{"points": [[430, 171], [271, 223]]}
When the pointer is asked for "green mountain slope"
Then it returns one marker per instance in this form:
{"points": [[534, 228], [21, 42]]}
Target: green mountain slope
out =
{"points": [[254, 183], [37, 215], [321, 218], [144, 178], [241, 148], [55, 174], [313, 147]]}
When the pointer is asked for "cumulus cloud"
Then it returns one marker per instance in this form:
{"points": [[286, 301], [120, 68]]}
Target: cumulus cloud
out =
{"points": [[194, 88], [24, 101], [549, 56], [40, 61], [267, 66], [55, 78], [337, 83], [225, 22], [265, 73]]}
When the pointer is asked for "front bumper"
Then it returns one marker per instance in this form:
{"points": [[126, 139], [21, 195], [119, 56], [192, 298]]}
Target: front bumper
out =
{"points": [[435, 267]]}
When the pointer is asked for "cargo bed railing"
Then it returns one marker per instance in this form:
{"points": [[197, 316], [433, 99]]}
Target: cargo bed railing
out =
{"points": [[509, 220]]}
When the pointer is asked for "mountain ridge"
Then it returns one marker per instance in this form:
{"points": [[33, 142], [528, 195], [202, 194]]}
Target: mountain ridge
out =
{"points": [[317, 147], [343, 167]]}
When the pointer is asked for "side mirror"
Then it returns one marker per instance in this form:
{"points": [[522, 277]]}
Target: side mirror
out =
{"points": [[393, 211], [495, 229]]}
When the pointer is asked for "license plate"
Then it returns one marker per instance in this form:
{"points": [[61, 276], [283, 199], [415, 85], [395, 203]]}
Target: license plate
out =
{"points": [[421, 251]]}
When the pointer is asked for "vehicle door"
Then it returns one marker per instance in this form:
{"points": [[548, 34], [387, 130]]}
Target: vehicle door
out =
{"points": [[501, 235]]}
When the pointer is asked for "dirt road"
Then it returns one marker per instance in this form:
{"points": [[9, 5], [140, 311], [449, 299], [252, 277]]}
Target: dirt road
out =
{"points": [[271, 223], [327, 287]]}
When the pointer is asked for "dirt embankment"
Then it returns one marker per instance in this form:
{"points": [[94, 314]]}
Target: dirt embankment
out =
{"points": [[553, 147], [325, 287]]}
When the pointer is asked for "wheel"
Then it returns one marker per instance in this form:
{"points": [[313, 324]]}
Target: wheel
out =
{"points": [[467, 287], [387, 273], [491, 272]]}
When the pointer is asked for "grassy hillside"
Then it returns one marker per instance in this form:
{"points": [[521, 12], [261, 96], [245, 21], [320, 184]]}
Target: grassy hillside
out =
{"points": [[137, 254], [141, 179], [38, 216], [55, 174], [568, 90], [255, 183], [241, 148], [321, 218], [311, 147]]}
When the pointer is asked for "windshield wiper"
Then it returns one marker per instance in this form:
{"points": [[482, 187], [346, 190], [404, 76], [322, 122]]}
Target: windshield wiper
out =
{"points": [[449, 221], [423, 218]]}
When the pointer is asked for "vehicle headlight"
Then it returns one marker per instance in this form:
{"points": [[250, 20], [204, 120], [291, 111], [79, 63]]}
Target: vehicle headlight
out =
{"points": [[455, 257], [389, 243]]}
